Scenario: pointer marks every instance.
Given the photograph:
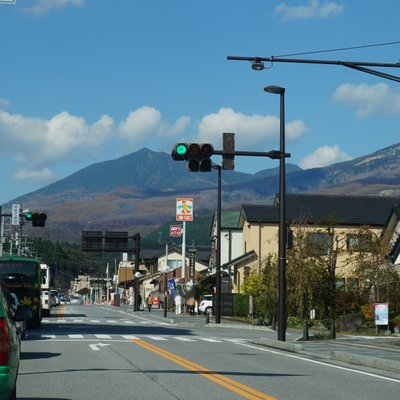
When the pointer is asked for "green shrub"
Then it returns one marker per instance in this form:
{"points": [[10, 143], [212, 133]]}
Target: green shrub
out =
{"points": [[240, 305]]}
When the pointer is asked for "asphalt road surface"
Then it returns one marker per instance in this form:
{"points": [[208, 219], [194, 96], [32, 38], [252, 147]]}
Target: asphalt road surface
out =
{"points": [[98, 352]]}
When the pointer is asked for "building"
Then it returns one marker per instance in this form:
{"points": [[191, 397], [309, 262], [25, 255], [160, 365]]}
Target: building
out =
{"points": [[260, 226]]}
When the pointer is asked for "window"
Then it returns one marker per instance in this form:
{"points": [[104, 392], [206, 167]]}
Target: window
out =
{"points": [[319, 243], [359, 242]]}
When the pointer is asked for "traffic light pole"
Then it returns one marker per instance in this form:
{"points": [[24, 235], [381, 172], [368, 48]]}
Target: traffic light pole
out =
{"points": [[218, 255], [196, 154]]}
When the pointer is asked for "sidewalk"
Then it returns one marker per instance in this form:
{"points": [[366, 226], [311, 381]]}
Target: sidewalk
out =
{"points": [[379, 352]]}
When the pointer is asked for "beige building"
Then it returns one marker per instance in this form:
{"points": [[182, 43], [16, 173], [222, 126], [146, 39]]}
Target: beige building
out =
{"points": [[259, 225]]}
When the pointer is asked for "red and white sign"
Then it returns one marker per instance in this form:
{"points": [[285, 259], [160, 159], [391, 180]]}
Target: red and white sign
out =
{"points": [[184, 209], [175, 230]]}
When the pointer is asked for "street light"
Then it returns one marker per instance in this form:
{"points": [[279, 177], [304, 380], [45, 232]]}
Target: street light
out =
{"points": [[136, 306], [165, 271], [282, 216]]}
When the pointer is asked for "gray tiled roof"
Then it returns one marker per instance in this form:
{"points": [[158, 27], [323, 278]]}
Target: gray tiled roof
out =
{"points": [[313, 208]]}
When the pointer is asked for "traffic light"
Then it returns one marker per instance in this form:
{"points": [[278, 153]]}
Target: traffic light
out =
{"points": [[179, 152], [198, 155], [38, 219], [28, 216]]}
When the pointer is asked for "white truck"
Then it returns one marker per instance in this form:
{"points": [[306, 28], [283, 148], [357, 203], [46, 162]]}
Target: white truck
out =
{"points": [[45, 286]]}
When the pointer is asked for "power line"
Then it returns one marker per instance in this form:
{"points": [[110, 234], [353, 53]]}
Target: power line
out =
{"points": [[340, 49]]}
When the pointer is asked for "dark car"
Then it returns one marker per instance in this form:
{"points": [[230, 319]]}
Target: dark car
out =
{"points": [[10, 344]]}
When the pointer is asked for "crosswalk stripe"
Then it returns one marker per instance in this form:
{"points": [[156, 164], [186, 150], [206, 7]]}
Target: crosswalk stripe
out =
{"points": [[130, 337], [210, 340], [156, 337], [192, 339], [183, 339], [103, 336]]}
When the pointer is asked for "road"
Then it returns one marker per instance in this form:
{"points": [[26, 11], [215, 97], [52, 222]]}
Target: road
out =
{"points": [[98, 352]]}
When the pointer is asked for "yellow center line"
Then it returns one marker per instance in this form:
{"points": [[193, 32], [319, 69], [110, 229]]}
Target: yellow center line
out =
{"points": [[230, 384]]}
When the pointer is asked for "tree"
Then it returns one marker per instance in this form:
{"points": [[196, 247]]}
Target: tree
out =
{"points": [[264, 289], [303, 278], [312, 269], [378, 281]]}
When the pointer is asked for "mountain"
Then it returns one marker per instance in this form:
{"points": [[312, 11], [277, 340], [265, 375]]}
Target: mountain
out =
{"points": [[138, 192]]}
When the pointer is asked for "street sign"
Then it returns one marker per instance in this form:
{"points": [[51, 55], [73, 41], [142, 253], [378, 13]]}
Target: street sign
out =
{"points": [[92, 240], [15, 214], [381, 314], [116, 241], [175, 230], [184, 209], [192, 263]]}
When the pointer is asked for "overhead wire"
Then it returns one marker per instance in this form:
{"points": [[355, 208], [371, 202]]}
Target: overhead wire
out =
{"points": [[339, 49]]}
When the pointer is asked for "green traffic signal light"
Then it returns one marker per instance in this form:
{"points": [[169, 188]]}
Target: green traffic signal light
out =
{"points": [[181, 149], [28, 216], [180, 152]]}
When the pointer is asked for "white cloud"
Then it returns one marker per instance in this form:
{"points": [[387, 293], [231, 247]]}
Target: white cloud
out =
{"points": [[40, 7], [369, 101], [4, 103], [36, 144], [146, 123], [324, 156], [251, 130], [313, 9], [25, 175]]}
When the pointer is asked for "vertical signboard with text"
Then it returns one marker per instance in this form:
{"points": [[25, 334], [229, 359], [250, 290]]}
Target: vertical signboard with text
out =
{"points": [[184, 209], [192, 263]]}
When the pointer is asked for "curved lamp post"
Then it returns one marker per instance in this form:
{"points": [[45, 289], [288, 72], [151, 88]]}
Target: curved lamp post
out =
{"points": [[138, 275], [282, 215]]}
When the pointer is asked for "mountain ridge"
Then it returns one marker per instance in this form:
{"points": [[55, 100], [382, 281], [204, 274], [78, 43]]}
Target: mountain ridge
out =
{"points": [[137, 192]]}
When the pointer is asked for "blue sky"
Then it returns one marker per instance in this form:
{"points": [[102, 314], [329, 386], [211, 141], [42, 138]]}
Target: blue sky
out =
{"points": [[83, 81]]}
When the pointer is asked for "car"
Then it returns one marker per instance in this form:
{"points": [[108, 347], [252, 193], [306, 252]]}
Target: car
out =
{"points": [[54, 293], [21, 325], [206, 304], [76, 299], [10, 343]]}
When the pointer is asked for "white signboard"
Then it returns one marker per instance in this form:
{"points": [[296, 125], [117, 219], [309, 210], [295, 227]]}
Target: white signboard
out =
{"points": [[7, 1], [15, 214], [184, 209], [175, 230], [381, 314]]}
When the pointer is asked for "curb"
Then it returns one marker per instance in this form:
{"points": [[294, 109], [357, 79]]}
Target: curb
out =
{"points": [[238, 326], [289, 346], [356, 359], [366, 361]]}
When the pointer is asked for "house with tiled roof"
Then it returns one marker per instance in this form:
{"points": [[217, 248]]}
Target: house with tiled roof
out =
{"points": [[259, 223]]}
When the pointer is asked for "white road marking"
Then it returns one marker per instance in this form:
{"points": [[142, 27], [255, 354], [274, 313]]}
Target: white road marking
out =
{"points": [[96, 346], [103, 336]]}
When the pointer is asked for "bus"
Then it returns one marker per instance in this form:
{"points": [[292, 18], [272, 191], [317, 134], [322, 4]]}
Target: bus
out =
{"points": [[22, 276], [45, 290]]}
